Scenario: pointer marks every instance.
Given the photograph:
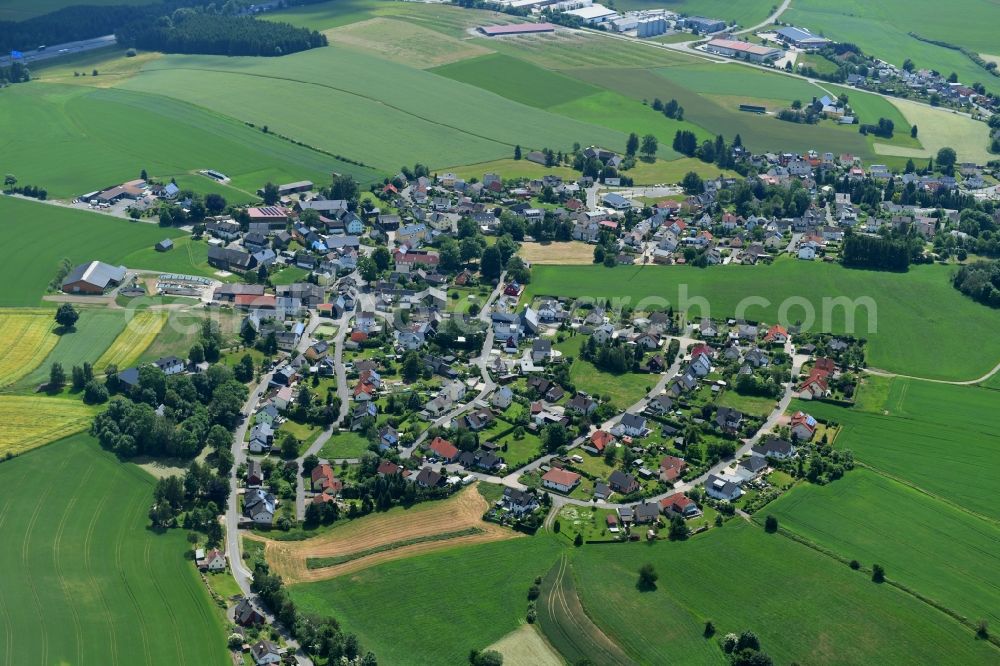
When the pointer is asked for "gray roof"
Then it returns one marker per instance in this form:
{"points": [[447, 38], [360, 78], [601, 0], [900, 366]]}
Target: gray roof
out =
{"points": [[96, 273]]}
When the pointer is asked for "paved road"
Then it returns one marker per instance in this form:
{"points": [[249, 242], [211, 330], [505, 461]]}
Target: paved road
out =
{"points": [[61, 50], [769, 20]]}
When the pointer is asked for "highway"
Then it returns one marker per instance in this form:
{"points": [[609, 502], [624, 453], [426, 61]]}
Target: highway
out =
{"points": [[61, 50]]}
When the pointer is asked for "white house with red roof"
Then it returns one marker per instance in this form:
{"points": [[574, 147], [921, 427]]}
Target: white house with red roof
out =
{"points": [[560, 480], [803, 426]]}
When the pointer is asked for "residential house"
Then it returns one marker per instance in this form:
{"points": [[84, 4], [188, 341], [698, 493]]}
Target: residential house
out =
{"points": [[646, 513], [541, 351], [388, 438], [214, 560], [324, 481], [428, 478], [502, 398], [442, 449], [261, 438], [560, 480], [255, 475], [632, 425], [622, 482], [518, 502], [671, 468], [246, 615], [728, 420], [681, 505], [599, 440], [720, 488], [803, 426], [773, 447], [259, 505], [265, 652]]}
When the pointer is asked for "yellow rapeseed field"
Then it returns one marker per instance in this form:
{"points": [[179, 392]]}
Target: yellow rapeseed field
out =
{"points": [[30, 421], [133, 341], [26, 338]]}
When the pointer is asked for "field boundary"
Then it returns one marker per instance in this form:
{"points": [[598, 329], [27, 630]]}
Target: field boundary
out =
{"points": [[324, 562]]}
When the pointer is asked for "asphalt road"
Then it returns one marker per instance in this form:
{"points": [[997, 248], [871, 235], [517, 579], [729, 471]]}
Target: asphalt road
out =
{"points": [[61, 50]]}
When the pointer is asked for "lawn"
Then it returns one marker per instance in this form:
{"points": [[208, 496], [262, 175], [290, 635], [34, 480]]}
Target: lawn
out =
{"points": [[444, 120], [622, 390], [722, 576], [511, 169], [289, 275], [749, 404], [37, 237], [95, 331], [914, 313], [938, 437], [935, 549], [439, 605], [31, 421], [93, 584], [344, 445], [27, 338], [189, 257], [75, 139]]}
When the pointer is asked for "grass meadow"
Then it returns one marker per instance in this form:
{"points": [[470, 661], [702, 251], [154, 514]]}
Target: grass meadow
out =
{"points": [[916, 312], [37, 237], [19, 10], [76, 139], [939, 438], [804, 606], [439, 605], [934, 548], [95, 331], [93, 584]]}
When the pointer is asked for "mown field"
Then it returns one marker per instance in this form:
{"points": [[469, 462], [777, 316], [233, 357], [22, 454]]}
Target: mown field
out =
{"points": [[92, 584], [95, 331], [27, 337], [140, 331], [19, 10], [915, 311], [31, 421], [805, 607], [37, 237], [622, 390], [189, 257], [934, 548], [445, 122], [937, 437], [74, 139], [437, 606]]}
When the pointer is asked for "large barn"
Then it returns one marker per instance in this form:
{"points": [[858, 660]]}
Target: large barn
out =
{"points": [[93, 278]]}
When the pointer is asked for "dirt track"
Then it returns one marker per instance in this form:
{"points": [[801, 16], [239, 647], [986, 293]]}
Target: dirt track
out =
{"points": [[462, 511]]}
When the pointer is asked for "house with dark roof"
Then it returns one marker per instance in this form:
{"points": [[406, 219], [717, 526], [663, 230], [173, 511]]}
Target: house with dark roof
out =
{"points": [[246, 615], [773, 447], [622, 482], [518, 502], [93, 278], [428, 478], [728, 419]]}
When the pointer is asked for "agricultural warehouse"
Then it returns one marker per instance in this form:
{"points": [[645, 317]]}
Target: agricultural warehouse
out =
{"points": [[802, 38], [515, 29], [704, 25], [745, 50], [593, 14], [93, 278]]}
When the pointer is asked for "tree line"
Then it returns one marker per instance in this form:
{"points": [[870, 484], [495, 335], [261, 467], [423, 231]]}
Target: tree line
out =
{"points": [[189, 31], [862, 251], [980, 281]]}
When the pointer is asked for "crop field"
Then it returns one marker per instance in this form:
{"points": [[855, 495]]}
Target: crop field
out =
{"points": [[139, 333], [567, 50], [565, 622], [915, 310], [182, 329], [449, 121], [19, 10], [525, 646], [382, 535], [31, 421], [403, 42], [94, 332], [437, 605], [821, 612], [565, 254], [29, 265], [868, 517], [881, 29], [518, 80], [117, 143], [93, 585], [27, 338], [955, 426]]}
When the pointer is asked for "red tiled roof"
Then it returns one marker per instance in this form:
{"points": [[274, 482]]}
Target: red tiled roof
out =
{"points": [[561, 476], [443, 448]]}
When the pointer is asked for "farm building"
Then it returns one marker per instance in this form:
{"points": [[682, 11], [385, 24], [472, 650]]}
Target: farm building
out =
{"points": [[802, 38], [745, 50], [229, 259], [93, 278], [703, 25], [594, 14], [515, 29], [295, 188], [164, 245]]}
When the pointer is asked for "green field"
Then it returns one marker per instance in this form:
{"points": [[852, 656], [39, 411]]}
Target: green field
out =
{"points": [[344, 445], [75, 139], [805, 607], [437, 606], [96, 329], [38, 236], [85, 581], [939, 551], [443, 120], [937, 437], [517, 80], [881, 29], [188, 257], [19, 10], [916, 311]]}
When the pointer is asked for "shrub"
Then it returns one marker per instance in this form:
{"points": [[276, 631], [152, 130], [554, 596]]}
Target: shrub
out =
{"points": [[878, 573], [855, 565]]}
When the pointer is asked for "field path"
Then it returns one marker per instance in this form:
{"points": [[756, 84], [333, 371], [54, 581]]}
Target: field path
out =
{"points": [[967, 382], [464, 510], [574, 625], [768, 21]]}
